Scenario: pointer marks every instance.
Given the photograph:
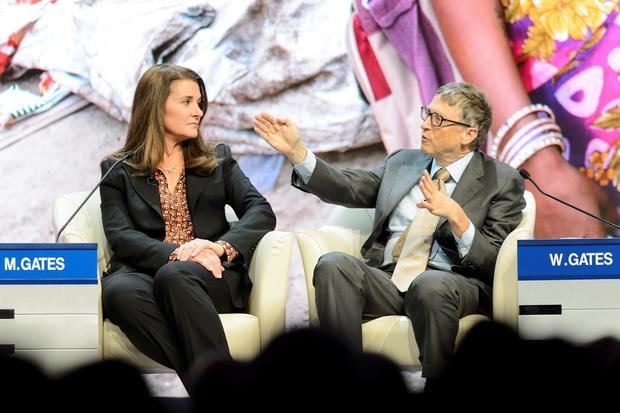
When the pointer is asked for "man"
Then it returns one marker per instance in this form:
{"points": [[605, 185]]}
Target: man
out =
{"points": [[462, 218]]}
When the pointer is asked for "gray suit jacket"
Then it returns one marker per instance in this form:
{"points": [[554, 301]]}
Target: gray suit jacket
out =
{"points": [[490, 192]]}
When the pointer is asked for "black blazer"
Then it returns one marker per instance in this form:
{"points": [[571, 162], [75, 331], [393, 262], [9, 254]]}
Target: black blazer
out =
{"points": [[134, 227]]}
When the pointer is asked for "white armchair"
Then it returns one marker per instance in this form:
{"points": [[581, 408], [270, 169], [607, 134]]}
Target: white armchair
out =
{"points": [[347, 229], [247, 333]]}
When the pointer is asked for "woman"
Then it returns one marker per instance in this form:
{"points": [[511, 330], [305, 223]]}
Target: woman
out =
{"points": [[176, 262]]}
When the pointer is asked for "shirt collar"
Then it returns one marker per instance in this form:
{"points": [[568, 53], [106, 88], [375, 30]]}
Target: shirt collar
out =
{"points": [[456, 168]]}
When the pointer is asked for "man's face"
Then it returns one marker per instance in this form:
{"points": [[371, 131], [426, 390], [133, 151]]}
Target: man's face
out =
{"points": [[448, 142]]}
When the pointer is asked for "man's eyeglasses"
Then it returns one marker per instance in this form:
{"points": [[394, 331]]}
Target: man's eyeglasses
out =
{"points": [[436, 119]]}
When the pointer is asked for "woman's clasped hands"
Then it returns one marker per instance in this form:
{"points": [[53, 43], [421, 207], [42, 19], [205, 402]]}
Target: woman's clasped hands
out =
{"points": [[204, 252]]}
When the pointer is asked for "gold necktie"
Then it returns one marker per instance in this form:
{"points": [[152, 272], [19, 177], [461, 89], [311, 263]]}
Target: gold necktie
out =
{"points": [[413, 248]]}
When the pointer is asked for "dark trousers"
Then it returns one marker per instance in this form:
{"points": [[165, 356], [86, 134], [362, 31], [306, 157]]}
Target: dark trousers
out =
{"points": [[173, 316], [347, 292]]}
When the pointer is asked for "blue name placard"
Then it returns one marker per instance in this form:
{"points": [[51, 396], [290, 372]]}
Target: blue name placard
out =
{"points": [[568, 259], [48, 263]]}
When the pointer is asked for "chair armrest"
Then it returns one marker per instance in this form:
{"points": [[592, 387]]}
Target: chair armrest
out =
{"points": [[269, 274], [505, 282], [315, 243]]}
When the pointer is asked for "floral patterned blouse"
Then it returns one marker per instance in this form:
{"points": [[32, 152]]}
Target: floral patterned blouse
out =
{"points": [[568, 52], [174, 210]]}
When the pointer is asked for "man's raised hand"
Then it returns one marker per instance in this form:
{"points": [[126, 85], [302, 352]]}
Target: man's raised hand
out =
{"points": [[282, 134]]}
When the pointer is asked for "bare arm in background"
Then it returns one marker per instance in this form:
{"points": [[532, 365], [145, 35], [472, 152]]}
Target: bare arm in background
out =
{"points": [[475, 34]]}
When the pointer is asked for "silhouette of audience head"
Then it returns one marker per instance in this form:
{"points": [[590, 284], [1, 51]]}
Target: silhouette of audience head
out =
{"points": [[24, 385], [494, 360], [104, 386], [308, 365]]}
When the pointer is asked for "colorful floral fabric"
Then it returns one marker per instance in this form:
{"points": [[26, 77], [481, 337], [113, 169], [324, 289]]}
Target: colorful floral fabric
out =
{"points": [[568, 52]]}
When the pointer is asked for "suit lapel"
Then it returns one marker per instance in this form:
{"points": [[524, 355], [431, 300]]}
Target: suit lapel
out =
{"points": [[149, 192], [195, 185], [406, 178], [470, 184]]}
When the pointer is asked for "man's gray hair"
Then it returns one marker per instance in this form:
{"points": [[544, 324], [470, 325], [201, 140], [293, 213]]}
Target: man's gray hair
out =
{"points": [[473, 105]]}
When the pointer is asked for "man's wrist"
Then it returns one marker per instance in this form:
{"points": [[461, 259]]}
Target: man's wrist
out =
{"points": [[297, 155], [459, 223]]}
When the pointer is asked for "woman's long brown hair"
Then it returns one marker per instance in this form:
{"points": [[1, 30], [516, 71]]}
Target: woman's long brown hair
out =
{"points": [[146, 130]]}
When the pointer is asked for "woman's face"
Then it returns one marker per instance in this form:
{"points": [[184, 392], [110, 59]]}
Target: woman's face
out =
{"points": [[182, 111]]}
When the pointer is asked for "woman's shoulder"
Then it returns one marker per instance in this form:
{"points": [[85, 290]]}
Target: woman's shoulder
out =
{"points": [[108, 162], [223, 151]]}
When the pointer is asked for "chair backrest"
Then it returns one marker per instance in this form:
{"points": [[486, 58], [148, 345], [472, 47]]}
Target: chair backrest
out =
{"points": [[360, 219], [87, 225]]}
